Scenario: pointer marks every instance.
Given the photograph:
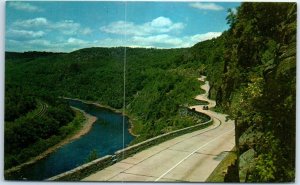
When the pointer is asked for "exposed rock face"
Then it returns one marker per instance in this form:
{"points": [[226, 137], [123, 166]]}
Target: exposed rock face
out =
{"points": [[246, 164]]}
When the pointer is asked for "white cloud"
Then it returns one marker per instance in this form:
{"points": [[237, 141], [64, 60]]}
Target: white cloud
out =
{"points": [[24, 34], [206, 36], [36, 22], [24, 6], [66, 45], [86, 31], [207, 6], [72, 43], [156, 41], [75, 41], [161, 22], [168, 41], [66, 27], [156, 26], [39, 42], [163, 40]]}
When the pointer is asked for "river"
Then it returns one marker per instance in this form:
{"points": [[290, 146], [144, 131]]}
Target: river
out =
{"points": [[105, 137]]}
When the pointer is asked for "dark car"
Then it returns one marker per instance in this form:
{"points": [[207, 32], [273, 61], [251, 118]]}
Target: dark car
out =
{"points": [[205, 107]]}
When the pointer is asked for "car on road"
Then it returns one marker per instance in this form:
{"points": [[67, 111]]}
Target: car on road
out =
{"points": [[205, 107]]}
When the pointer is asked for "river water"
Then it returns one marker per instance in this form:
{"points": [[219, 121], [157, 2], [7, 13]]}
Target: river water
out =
{"points": [[105, 137]]}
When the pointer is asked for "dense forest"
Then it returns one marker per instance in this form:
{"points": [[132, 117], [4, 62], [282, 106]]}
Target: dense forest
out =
{"points": [[159, 89], [251, 68]]}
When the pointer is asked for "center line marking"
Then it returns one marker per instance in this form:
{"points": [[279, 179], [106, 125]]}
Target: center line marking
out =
{"points": [[189, 156]]}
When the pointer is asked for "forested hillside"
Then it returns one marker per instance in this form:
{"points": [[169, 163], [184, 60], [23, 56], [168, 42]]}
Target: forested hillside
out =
{"points": [[160, 84], [252, 69]]}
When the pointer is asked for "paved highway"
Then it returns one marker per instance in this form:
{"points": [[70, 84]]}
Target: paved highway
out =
{"points": [[191, 157]]}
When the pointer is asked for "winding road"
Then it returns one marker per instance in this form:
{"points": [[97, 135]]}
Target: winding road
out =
{"points": [[41, 110], [191, 157]]}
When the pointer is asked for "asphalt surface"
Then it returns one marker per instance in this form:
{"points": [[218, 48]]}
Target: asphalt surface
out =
{"points": [[191, 157]]}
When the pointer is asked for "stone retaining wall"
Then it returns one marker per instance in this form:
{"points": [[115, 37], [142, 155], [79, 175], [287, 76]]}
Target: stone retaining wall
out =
{"points": [[85, 170], [101, 163], [131, 150]]}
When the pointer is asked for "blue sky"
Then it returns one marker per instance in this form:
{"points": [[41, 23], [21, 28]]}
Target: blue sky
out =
{"points": [[68, 26]]}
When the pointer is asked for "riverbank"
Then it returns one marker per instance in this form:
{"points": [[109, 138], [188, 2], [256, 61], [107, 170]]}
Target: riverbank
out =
{"points": [[96, 104], [109, 108], [86, 126], [130, 130]]}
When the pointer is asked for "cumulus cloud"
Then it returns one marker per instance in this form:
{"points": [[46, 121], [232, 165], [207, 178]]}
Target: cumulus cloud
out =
{"points": [[75, 41], [206, 36], [34, 45], [158, 25], [36, 22], [65, 45], [86, 31], [24, 6], [150, 41], [43, 34], [32, 34], [39, 42], [168, 41], [207, 6], [67, 27], [163, 40], [161, 22], [157, 41], [157, 33], [24, 34]]}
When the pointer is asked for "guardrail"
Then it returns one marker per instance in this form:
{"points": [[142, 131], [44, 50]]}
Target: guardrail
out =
{"points": [[101, 163]]}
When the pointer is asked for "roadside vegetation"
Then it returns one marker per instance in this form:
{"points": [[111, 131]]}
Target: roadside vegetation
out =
{"points": [[251, 68], [218, 175], [253, 77]]}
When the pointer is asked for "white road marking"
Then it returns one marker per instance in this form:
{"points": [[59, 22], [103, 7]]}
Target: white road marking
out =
{"points": [[190, 155]]}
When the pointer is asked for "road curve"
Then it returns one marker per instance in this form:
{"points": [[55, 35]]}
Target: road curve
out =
{"points": [[191, 157]]}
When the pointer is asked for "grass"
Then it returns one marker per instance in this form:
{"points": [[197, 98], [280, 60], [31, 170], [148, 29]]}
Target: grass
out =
{"points": [[219, 173]]}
